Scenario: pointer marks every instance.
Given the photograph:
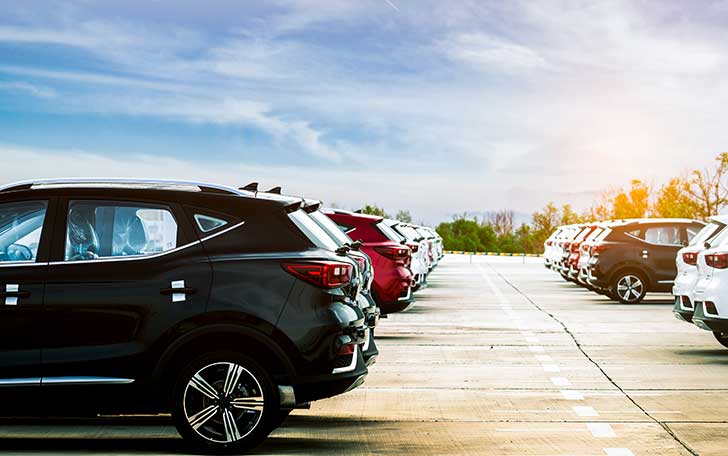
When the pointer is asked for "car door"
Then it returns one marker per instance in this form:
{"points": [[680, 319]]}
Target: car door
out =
{"points": [[125, 278], [24, 243], [660, 246]]}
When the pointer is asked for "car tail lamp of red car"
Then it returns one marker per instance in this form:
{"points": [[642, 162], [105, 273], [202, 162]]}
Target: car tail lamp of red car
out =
{"points": [[690, 258], [323, 274], [394, 253], [575, 247], [549, 243], [717, 260]]}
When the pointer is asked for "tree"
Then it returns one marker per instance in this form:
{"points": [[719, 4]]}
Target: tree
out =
{"points": [[501, 221], [373, 209], [568, 216], [707, 188], [404, 216], [674, 201], [633, 203]]}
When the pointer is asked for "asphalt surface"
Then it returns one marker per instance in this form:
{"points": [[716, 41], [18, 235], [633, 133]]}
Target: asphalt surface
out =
{"points": [[498, 357]]}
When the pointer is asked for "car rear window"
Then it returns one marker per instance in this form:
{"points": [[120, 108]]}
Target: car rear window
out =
{"points": [[710, 230], [389, 232], [330, 227], [313, 232]]}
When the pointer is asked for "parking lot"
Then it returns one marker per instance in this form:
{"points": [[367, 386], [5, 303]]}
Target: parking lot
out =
{"points": [[498, 356]]}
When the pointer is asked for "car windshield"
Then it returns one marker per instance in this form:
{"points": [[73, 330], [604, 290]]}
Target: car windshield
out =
{"points": [[709, 231], [330, 227], [313, 231]]}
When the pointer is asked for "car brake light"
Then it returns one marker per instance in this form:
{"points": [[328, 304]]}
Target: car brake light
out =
{"points": [[717, 260], [393, 253], [346, 350], [549, 243], [413, 247], [323, 274], [362, 262], [596, 248], [575, 246], [690, 258]]}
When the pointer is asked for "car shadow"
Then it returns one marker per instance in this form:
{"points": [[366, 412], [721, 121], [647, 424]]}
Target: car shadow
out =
{"points": [[106, 445]]}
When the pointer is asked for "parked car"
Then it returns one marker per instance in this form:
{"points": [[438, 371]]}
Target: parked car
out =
{"points": [[638, 256], [687, 266], [419, 247], [393, 279], [574, 251], [218, 305], [365, 275], [564, 249], [550, 246], [600, 230], [710, 303]]}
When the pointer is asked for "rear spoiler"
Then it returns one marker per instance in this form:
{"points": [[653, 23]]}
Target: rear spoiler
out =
{"points": [[275, 190], [251, 187], [312, 206]]}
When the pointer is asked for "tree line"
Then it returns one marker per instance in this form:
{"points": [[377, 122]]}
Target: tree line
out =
{"points": [[697, 194]]}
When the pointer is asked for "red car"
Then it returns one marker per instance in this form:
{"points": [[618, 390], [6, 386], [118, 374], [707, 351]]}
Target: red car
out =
{"points": [[393, 280]]}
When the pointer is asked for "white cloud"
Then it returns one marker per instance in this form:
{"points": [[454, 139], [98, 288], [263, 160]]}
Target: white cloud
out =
{"points": [[491, 53], [27, 88]]}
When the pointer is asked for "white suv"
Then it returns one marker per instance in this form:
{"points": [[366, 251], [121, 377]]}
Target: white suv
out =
{"points": [[711, 289], [687, 270]]}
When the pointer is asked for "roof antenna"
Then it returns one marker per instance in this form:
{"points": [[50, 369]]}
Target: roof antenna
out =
{"points": [[251, 187], [275, 190]]}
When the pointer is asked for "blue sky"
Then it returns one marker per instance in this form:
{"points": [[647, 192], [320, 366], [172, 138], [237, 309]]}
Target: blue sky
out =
{"points": [[437, 107]]}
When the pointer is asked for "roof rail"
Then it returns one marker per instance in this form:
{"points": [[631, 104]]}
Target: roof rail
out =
{"points": [[120, 182]]}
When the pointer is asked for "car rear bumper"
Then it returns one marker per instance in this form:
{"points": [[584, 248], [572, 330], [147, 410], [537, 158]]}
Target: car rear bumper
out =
{"points": [[708, 322], [681, 312], [309, 389], [403, 303]]}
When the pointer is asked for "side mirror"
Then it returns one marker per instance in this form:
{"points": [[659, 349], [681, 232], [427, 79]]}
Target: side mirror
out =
{"points": [[706, 245]]}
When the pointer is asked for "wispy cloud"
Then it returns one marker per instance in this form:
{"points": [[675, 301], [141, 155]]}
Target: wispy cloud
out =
{"points": [[27, 88]]}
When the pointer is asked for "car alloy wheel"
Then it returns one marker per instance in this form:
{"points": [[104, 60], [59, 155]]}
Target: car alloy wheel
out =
{"points": [[630, 288], [223, 402]]}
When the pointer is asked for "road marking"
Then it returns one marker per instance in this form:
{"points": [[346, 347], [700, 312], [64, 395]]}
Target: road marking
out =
{"points": [[618, 452], [544, 358], [572, 395], [601, 430], [585, 411], [560, 381], [551, 368], [536, 348]]}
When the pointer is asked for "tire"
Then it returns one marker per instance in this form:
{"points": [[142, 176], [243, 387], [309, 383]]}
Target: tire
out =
{"points": [[277, 419], [224, 402], [628, 287], [722, 338]]}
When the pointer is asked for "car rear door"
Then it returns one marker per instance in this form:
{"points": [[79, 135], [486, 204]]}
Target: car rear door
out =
{"points": [[127, 275], [25, 226], [660, 246]]}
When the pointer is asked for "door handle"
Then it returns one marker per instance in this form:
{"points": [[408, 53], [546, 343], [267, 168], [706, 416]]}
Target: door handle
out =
{"points": [[184, 290]]}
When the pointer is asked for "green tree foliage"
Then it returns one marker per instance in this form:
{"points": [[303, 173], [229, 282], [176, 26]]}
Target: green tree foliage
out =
{"points": [[468, 234], [373, 209], [674, 201], [404, 216]]}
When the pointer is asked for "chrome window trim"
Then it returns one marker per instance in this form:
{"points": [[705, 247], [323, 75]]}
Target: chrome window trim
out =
{"points": [[15, 264], [150, 257], [34, 381], [85, 381]]}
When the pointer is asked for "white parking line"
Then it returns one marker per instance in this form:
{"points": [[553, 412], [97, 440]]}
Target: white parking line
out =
{"points": [[601, 430], [585, 411], [618, 452], [560, 381], [572, 395]]}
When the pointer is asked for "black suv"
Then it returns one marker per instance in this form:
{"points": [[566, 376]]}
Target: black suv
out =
{"points": [[219, 305], [637, 256]]}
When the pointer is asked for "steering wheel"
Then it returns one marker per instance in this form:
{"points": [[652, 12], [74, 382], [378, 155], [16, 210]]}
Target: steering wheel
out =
{"points": [[18, 252]]}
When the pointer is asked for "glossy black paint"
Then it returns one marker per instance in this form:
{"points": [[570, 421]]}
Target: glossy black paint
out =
{"points": [[113, 319]]}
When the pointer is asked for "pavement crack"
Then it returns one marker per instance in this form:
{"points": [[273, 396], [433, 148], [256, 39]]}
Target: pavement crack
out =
{"points": [[662, 424]]}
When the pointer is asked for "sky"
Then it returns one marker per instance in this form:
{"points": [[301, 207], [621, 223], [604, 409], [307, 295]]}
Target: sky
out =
{"points": [[435, 107]]}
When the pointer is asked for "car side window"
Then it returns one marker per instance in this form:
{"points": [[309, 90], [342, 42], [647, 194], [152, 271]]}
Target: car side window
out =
{"points": [[664, 235], [105, 229], [20, 229], [207, 223]]}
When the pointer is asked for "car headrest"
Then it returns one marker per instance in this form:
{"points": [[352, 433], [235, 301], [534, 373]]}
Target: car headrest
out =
{"points": [[82, 236], [130, 235]]}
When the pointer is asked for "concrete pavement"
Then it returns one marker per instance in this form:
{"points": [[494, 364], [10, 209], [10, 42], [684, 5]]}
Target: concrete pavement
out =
{"points": [[498, 357]]}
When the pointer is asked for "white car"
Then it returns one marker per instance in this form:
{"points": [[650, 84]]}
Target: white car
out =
{"points": [[601, 230], [549, 246], [687, 271], [419, 245], [711, 289]]}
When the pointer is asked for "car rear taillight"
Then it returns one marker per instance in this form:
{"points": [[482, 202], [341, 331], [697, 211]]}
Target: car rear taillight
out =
{"points": [[717, 260], [575, 246], [362, 262], [549, 243], [690, 258], [323, 274], [597, 248], [345, 350], [394, 253], [413, 247]]}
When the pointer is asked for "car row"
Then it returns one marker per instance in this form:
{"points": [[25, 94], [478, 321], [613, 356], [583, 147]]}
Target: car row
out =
{"points": [[226, 307], [622, 259]]}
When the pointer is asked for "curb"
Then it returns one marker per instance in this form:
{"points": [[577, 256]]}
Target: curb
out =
{"points": [[458, 252]]}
